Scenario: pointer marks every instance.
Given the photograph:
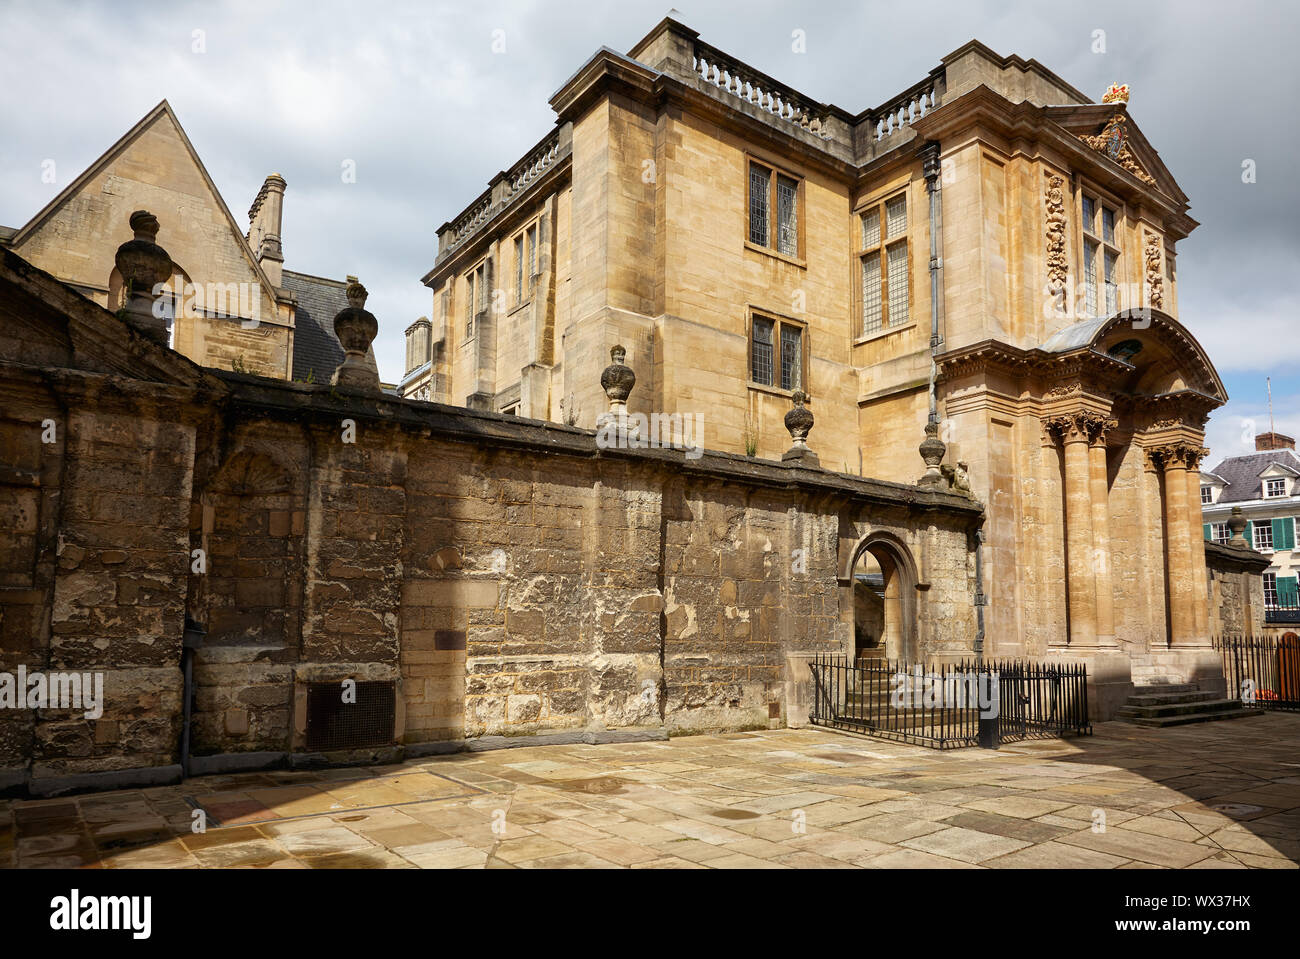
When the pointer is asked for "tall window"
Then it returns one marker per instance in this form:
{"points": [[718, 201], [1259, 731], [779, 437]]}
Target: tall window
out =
{"points": [[525, 263], [776, 354], [1270, 590], [885, 287], [1207, 495], [1100, 258], [475, 296], [1263, 533], [773, 210]]}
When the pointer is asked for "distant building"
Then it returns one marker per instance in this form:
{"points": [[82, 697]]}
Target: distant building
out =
{"points": [[237, 307], [1266, 486]]}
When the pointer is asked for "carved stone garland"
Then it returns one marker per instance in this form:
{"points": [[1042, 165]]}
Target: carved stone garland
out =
{"points": [[1057, 262], [1154, 258]]}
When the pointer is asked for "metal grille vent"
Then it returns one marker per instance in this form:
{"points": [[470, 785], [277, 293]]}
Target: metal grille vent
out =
{"points": [[335, 724]]}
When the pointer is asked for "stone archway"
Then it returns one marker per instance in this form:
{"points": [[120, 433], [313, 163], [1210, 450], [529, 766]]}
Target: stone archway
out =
{"points": [[882, 581]]}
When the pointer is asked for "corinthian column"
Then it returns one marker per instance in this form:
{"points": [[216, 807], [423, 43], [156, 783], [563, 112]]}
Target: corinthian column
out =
{"points": [[1196, 542], [1180, 565], [1076, 431], [1099, 489]]}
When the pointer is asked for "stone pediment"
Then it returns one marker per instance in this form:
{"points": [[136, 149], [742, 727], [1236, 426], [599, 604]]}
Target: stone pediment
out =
{"points": [[1108, 129]]}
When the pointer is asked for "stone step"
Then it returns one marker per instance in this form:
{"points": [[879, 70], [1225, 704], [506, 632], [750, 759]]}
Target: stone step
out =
{"points": [[1168, 699], [1178, 709], [1162, 721], [1157, 689]]}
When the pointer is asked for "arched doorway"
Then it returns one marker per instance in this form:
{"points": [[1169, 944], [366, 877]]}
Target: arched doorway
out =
{"points": [[882, 578]]}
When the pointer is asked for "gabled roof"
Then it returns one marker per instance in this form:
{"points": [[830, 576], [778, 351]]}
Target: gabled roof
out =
{"points": [[128, 138], [1242, 473]]}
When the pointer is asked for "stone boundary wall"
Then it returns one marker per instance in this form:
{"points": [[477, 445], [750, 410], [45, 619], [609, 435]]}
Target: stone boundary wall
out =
{"points": [[510, 577]]}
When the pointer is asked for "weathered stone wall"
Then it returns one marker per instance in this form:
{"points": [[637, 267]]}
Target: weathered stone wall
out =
{"points": [[509, 576]]}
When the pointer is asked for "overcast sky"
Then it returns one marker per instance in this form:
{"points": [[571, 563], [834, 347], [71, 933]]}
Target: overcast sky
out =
{"points": [[415, 95]]}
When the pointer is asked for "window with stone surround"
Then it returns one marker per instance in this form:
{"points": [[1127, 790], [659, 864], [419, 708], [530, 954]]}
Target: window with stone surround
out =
{"points": [[525, 263], [886, 284], [776, 353], [1100, 257], [475, 296], [775, 199]]}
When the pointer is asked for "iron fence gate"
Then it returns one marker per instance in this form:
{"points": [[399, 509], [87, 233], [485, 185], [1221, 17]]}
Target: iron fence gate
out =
{"points": [[1264, 671], [952, 704]]}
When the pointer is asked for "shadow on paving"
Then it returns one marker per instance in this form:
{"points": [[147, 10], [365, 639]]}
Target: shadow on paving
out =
{"points": [[1217, 795]]}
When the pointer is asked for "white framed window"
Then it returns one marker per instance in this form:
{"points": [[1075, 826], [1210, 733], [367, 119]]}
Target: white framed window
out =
{"points": [[886, 287], [1263, 536], [1270, 590], [1274, 488], [1207, 495], [1100, 257], [1220, 533]]}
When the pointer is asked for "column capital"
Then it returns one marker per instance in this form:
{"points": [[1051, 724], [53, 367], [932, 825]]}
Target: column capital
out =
{"points": [[1168, 456], [1080, 426]]}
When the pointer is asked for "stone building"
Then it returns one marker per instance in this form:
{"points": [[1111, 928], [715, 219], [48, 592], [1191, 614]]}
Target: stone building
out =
{"points": [[1263, 489], [234, 305], [989, 252]]}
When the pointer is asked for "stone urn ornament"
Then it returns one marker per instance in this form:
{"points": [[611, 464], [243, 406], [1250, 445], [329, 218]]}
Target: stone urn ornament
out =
{"points": [[143, 265], [617, 381], [1237, 524], [799, 421], [932, 450], [356, 328]]}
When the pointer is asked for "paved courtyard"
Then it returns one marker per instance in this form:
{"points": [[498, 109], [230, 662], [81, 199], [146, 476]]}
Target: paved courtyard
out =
{"points": [[1220, 795]]}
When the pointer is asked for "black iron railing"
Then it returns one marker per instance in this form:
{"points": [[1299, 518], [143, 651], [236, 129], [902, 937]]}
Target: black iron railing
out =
{"points": [[1263, 671], [951, 704]]}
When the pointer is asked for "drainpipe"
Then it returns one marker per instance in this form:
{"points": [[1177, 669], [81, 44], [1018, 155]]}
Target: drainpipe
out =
{"points": [[193, 639], [931, 169]]}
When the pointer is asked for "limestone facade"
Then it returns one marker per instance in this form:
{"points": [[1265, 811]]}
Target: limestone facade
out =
{"points": [[991, 228]]}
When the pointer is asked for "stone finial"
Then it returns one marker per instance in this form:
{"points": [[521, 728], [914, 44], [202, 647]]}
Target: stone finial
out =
{"points": [[799, 421], [143, 265], [356, 328], [617, 381], [1237, 523], [932, 449]]}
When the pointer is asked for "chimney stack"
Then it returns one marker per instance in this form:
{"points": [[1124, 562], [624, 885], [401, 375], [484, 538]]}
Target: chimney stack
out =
{"points": [[1273, 441], [264, 218]]}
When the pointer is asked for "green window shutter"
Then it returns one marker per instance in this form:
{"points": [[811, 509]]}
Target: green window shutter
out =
{"points": [[1290, 533], [1207, 530], [1283, 534], [1287, 594], [1250, 534]]}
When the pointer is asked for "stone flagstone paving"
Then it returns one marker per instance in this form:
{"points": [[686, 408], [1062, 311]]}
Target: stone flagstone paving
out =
{"points": [[1219, 795]]}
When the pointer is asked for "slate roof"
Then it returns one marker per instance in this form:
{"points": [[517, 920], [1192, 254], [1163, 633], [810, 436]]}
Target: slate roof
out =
{"points": [[316, 350], [1242, 473]]}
